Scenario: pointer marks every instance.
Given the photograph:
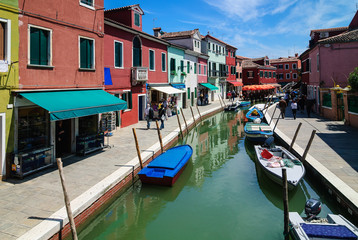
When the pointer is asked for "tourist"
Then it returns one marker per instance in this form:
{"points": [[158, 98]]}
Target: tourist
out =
{"points": [[206, 98], [149, 114], [282, 105], [287, 97], [229, 95], [294, 108], [309, 106], [161, 115], [165, 106], [301, 103], [233, 95]]}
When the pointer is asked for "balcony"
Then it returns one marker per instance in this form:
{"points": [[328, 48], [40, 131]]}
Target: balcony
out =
{"points": [[139, 75]]}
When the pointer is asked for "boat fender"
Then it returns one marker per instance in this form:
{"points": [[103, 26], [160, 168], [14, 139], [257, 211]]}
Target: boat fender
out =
{"points": [[282, 163]]}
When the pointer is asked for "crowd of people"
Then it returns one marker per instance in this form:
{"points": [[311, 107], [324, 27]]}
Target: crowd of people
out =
{"points": [[297, 101], [162, 109]]}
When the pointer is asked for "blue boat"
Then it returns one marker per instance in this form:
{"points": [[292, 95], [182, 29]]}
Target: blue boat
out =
{"points": [[167, 167], [257, 132], [245, 103], [254, 113]]}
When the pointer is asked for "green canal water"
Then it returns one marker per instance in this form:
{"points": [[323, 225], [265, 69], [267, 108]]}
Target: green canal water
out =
{"points": [[222, 194]]}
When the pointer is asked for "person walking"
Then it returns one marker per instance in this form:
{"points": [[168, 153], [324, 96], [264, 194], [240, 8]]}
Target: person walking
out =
{"points": [[301, 103], [309, 106], [161, 115], [165, 106], [294, 108], [149, 114], [282, 105]]}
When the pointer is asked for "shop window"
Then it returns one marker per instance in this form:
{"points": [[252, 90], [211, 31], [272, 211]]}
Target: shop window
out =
{"points": [[86, 53], [137, 52], [164, 58], [88, 125], [151, 60], [118, 54], [127, 96], [40, 45], [136, 19]]}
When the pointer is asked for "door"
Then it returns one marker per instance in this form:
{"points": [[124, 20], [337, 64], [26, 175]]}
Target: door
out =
{"points": [[141, 107], [2, 144], [63, 138], [184, 100], [192, 98]]}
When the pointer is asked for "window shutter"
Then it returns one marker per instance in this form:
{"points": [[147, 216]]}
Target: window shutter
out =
{"points": [[188, 93], [43, 47], [34, 46], [163, 62], [195, 92], [2, 41], [194, 68], [188, 67], [151, 60], [130, 105], [182, 65]]}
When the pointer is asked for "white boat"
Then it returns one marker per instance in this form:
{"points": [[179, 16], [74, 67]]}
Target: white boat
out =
{"points": [[273, 159], [311, 227], [259, 106]]}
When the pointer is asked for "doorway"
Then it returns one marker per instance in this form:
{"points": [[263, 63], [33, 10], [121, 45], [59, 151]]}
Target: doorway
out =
{"points": [[63, 138], [141, 107], [184, 100], [2, 144]]}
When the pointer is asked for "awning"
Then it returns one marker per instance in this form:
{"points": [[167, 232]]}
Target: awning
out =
{"points": [[178, 85], [73, 104], [168, 90], [210, 86], [236, 84]]}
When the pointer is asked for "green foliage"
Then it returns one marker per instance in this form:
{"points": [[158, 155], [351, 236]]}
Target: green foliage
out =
{"points": [[353, 79]]}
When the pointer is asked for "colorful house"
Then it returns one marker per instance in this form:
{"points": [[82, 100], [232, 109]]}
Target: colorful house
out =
{"points": [[9, 75], [257, 71], [287, 69], [135, 63], [232, 83], [58, 106]]}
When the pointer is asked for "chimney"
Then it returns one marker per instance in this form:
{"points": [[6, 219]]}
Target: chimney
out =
{"points": [[296, 54], [157, 31]]}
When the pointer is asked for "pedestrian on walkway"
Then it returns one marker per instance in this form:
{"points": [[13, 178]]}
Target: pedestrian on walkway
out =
{"points": [[161, 115], [309, 106], [294, 108], [301, 102], [287, 97], [282, 105], [165, 106], [149, 114]]}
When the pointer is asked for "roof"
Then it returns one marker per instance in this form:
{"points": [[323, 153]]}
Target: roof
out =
{"points": [[330, 29], [241, 57], [248, 63], [182, 34], [214, 38], [126, 8], [279, 60], [350, 36]]}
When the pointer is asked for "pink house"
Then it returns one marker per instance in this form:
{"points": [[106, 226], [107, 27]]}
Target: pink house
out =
{"points": [[132, 60]]}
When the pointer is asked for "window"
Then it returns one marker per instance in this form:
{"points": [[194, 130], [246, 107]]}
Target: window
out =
{"points": [[172, 64], [280, 66], [198, 44], [196, 92], [288, 76], [199, 68], [280, 76], [151, 60], [194, 43], [317, 62], [136, 19], [204, 70], [127, 96], [188, 67], [181, 65], [40, 45], [261, 73], [250, 74], [208, 45], [88, 3], [274, 75], [188, 93], [265, 74], [270, 74], [5, 40], [267, 62], [118, 54], [294, 75], [86, 53], [287, 66], [294, 66], [164, 58], [194, 68], [137, 52]]}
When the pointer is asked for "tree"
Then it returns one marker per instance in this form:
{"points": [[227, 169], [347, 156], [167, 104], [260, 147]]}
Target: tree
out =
{"points": [[353, 79]]}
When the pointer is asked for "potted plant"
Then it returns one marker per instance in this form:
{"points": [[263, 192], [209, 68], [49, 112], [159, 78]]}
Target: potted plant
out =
{"points": [[183, 74], [174, 73]]}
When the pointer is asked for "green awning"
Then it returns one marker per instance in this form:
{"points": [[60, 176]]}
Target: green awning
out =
{"points": [[210, 86], [77, 103]]}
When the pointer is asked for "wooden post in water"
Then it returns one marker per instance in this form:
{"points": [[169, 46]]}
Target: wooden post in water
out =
{"points": [[273, 114], [285, 205], [137, 147], [181, 132], [269, 104], [199, 113], [295, 136], [192, 113], [186, 125], [308, 145], [160, 136], [220, 102], [276, 123], [223, 101], [67, 200]]}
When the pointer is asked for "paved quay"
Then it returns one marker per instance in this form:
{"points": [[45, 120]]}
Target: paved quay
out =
{"points": [[333, 152], [33, 208]]}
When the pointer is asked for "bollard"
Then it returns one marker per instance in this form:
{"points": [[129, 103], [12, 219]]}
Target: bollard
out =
{"points": [[308, 145], [160, 136], [186, 125], [285, 205], [295, 136], [137, 147]]}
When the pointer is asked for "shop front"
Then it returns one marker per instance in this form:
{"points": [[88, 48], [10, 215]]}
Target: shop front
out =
{"points": [[234, 86], [50, 124], [205, 90]]}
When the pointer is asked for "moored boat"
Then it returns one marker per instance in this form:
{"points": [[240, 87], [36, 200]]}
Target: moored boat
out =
{"points": [[234, 106], [257, 132], [272, 160], [166, 168], [254, 113]]}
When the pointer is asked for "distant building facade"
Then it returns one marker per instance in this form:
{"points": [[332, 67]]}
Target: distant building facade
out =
{"points": [[287, 69], [257, 71]]}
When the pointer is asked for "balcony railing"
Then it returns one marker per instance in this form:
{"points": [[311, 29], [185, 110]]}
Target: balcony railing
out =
{"points": [[139, 74]]}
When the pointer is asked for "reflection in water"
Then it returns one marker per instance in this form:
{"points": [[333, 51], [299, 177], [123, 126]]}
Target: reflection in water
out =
{"points": [[220, 195]]}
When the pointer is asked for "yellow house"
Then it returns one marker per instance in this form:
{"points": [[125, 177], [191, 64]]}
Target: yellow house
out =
{"points": [[9, 79]]}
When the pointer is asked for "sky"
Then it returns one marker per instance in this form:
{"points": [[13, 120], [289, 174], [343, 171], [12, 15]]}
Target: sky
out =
{"points": [[257, 28]]}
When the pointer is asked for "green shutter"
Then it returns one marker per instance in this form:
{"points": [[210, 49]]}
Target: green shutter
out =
{"points": [[151, 60], [163, 62], [118, 55], [44, 47], [188, 93], [188, 67], [195, 92], [182, 65], [34, 46], [194, 68], [130, 104], [136, 19], [172, 64]]}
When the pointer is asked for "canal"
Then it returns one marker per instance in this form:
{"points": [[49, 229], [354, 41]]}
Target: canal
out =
{"points": [[222, 194]]}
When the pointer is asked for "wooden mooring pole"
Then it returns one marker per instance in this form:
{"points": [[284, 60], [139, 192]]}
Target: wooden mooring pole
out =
{"points": [[186, 125], [285, 205], [220, 102], [67, 200], [192, 113], [197, 108], [276, 123], [181, 132], [308, 145], [160, 136], [295, 136], [137, 147], [273, 114]]}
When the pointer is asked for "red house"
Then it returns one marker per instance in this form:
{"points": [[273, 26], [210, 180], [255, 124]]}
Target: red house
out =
{"points": [[287, 69], [132, 59], [233, 83], [257, 71]]}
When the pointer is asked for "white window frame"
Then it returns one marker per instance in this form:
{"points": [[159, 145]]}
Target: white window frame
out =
{"points": [[87, 6], [114, 47], [287, 66], [294, 66], [7, 39], [79, 52], [165, 58], [28, 45], [152, 70], [288, 76]]}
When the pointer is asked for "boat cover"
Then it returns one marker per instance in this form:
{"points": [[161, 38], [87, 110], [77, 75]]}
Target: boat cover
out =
{"points": [[171, 158], [328, 231]]}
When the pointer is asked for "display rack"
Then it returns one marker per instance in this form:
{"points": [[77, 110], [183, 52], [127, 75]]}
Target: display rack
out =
{"points": [[88, 144], [25, 163], [108, 121]]}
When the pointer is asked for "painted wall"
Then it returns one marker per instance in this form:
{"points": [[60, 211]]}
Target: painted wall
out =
{"points": [[231, 62], [9, 80], [65, 44], [203, 77], [191, 82], [285, 71], [178, 54]]}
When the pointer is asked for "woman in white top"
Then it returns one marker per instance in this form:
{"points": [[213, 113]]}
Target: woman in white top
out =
{"points": [[294, 108]]}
